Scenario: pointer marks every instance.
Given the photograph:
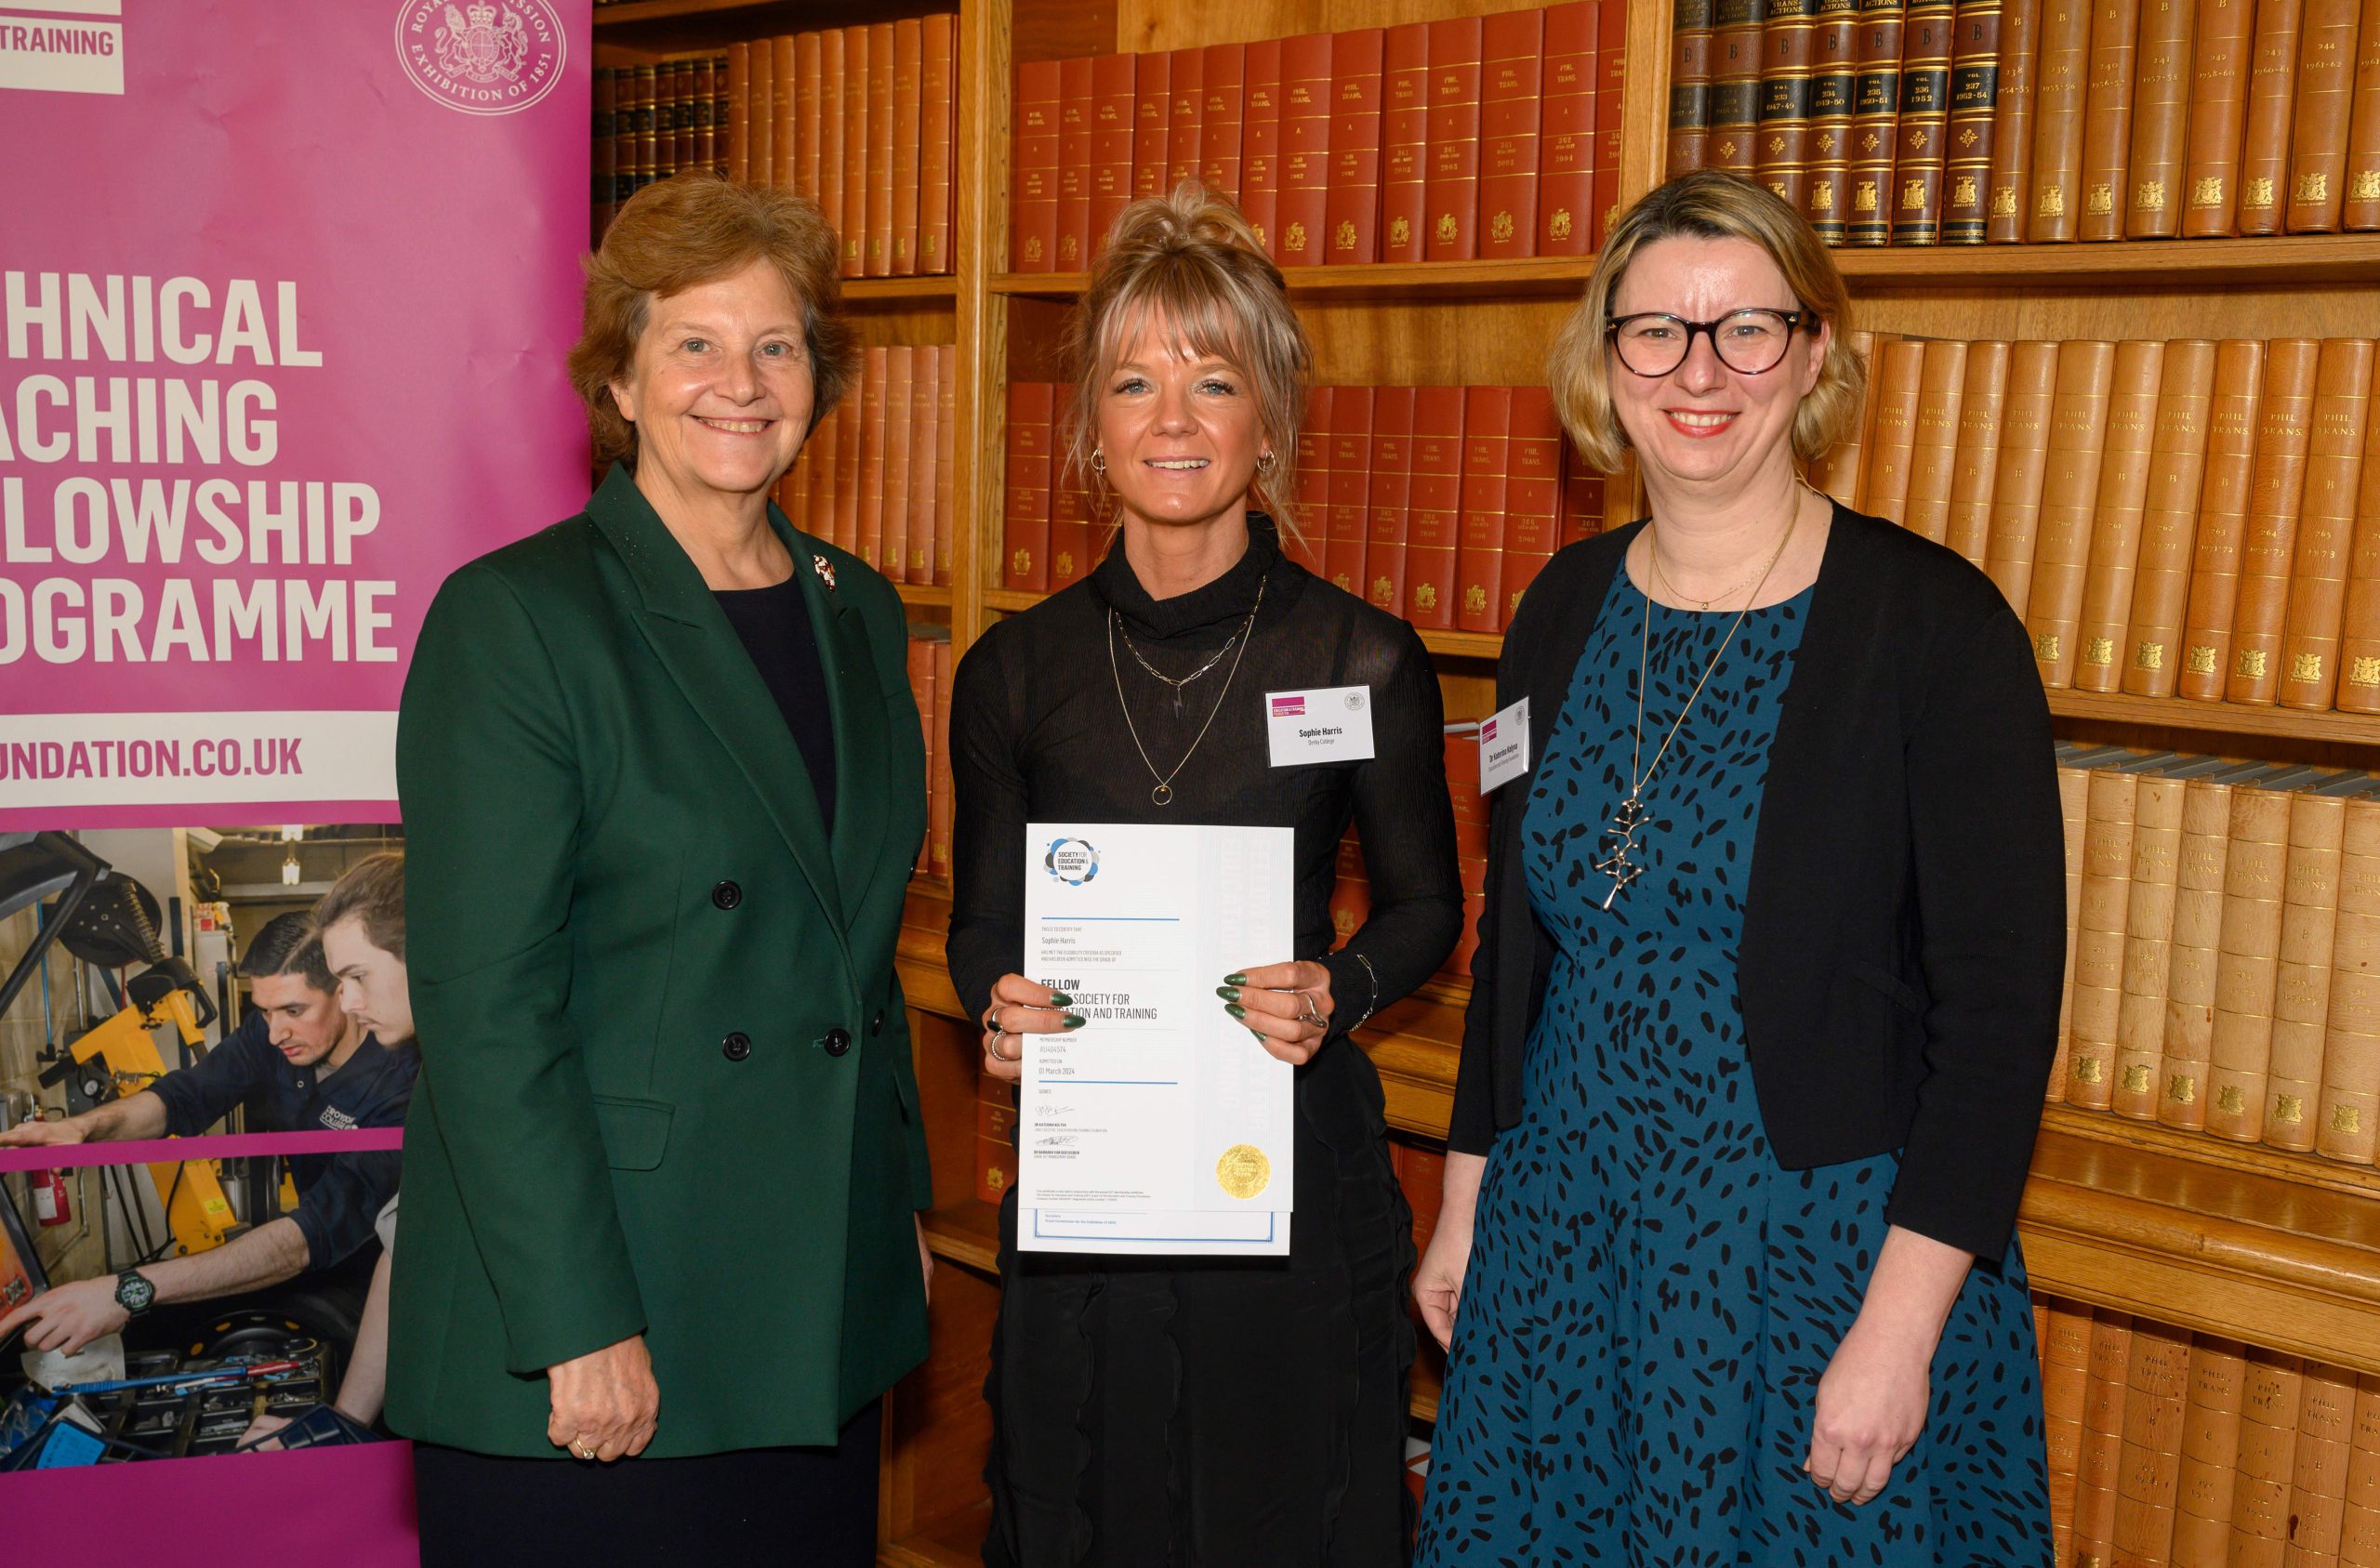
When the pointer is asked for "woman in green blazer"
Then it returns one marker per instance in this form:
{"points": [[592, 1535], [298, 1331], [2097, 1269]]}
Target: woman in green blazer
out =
{"points": [[663, 783]]}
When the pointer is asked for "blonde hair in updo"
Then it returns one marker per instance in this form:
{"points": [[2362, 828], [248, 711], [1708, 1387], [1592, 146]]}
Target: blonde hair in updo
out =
{"points": [[1195, 260]]}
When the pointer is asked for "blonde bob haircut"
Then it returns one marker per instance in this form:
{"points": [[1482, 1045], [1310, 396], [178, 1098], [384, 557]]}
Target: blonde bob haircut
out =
{"points": [[691, 229], [1706, 205], [1192, 261]]}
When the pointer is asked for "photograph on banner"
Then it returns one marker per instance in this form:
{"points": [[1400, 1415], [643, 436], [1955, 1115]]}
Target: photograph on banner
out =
{"points": [[244, 988]]}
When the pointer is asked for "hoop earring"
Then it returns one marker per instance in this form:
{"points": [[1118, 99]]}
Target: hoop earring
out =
{"points": [[1098, 462]]}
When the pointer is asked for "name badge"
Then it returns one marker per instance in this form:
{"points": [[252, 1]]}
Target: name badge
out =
{"points": [[1503, 747], [1329, 724]]}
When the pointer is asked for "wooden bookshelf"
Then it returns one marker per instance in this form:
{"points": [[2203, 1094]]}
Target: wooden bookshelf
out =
{"points": [[2275, 1248]]}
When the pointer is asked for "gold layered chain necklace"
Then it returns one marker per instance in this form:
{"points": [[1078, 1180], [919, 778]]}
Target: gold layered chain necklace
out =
{"points": [[1624, 837]]}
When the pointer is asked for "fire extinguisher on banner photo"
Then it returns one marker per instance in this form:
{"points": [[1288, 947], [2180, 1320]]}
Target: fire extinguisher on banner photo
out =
{"points": [[53, 1201]]}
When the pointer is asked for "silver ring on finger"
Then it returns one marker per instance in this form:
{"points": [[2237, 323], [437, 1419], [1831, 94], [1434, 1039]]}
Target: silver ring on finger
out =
{"points": [[993, 1045], [1309, 1013]]}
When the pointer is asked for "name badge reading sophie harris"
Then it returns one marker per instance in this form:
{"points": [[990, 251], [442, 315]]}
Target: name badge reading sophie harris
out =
{"points": [[1328, 724]]}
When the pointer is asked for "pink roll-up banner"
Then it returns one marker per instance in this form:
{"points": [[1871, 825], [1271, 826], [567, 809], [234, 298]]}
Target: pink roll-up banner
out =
{"points": [[285, 292]]}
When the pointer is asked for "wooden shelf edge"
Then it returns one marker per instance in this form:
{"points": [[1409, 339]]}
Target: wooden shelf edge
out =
{"points": [[936, 594], [1533, 278], [1012, 598], [952, 1541], [2218, 719], [2253, 1159], [858, 291], [2283, 260], [966, 1233]]}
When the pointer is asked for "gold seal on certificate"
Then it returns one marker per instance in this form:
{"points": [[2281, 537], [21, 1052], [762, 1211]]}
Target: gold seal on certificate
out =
{"points": [[1244, 1171]]}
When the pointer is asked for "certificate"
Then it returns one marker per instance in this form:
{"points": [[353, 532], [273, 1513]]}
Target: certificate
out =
{"points": [[1161, 1125]]}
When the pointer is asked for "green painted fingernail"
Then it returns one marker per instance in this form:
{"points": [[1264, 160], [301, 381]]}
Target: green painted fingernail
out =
{"points": [[1234, 980], [1234, 1009], [1072, 1021], [1259, 1035], [1228, 993], [1060, 999]]}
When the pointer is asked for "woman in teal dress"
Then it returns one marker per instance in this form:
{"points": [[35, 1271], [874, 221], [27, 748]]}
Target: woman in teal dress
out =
{"points": [[1766, 989]]}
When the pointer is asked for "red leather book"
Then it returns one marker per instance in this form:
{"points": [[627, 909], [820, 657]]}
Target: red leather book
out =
{"points": [[921, 691], [1311, 512], [900, 434], [2263, 136], [1222, 87], [1025, 544], [2161, 116], [1567, 144], [1350, 487], [1111, 144], [1304, 207], [1435, 507], [1583, 503], [1405, 137], [866, 112], [1479, 540], [2325, 101], [2360, 211], [850, 449], [1152, 120], [2012, 123], [909, 142], [2221, 54], [925, 457], [760, 123], [2107, 120], [1611, 87], [1533, 495], [808, 92], [946, 470], [818, 465], [1076, 104], [1392, 487], [875, 385], [1352, 211], [1184, 137], [1260, 140], [1781, 153], [1455, 52], [1069, 503], [1034, 243], [942, 797], [739, 116], [1512, 81], [938, 135], [834, 66], [1875, 109]]}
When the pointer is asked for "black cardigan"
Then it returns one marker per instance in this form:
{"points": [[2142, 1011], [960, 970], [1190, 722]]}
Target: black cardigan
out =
{"points": [[1903, 940]]}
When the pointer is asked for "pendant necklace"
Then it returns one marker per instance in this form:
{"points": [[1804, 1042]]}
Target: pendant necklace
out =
{"points": [[1157, 674], [1163, 794], [1620, 841]]}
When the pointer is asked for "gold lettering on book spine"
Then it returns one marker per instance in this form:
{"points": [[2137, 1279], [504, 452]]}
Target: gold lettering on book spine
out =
{"points": [[2148, 655], [2306, 667], [2363, 672]]}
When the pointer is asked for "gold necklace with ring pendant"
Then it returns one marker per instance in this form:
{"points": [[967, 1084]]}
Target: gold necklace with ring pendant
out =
{"points": [[1620, 838]]}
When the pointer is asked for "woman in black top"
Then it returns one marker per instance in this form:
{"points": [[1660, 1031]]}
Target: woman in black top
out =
{"points": [[1248, 1411], [1766, 988]]}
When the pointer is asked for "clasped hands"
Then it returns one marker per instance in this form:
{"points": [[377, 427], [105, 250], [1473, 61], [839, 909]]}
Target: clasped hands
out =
{"points": [[1286, 1006]]}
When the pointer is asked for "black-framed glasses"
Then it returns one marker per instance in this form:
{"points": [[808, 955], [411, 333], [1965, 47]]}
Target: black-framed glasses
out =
{"points": [[1747, 341]]}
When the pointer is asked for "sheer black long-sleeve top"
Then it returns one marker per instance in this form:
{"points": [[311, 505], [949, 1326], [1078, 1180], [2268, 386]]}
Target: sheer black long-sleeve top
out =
{"points": [[1038, 732]]}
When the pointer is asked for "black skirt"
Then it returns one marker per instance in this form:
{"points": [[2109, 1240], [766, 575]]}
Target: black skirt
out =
{"points": [[812, 1506], [1241, 1411]]}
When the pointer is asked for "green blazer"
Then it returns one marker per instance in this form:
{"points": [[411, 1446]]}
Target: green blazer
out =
{"points": [[666, 1082]]}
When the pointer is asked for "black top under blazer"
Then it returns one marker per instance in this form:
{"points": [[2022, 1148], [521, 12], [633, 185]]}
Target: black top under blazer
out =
{"points": [[1904, 934]]}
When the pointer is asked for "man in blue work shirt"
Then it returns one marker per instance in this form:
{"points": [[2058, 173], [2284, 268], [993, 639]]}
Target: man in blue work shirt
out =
{"points": [[315, 1068]]}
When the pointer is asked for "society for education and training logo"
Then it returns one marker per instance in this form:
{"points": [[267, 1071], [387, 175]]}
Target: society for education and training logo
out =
{"points": [[1071, 861], [481, 57]]}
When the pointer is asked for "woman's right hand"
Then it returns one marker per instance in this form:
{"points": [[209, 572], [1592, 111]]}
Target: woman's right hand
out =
{"points": [[1438, 1280], [605, 1403], [1019, 1007]]}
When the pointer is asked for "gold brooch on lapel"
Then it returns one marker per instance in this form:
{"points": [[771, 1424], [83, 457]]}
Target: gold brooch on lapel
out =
{"points": [[824, 568]]}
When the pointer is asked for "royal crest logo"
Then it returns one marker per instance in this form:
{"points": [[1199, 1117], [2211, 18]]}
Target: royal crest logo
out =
{"points": [[2306, 667], [2363, 672], [1446, 229], [2314, 187], [2249, 665], [1020, 563], [2004, 201], [1399, 230], [2053, 203], [1913, 196], [2207, 191], [1559, 226], [1033, 248], [1499, 228], [2258, 192], [1293, 238], [1474, 600], [2102, 200], [488, 57], [1822, 197], [2200, 660], [2149, 196], [1425, 596], [1344, 237], [2099, 652], [1963, 192], [1384, 592], [2148, 655], [2364, 186]]}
